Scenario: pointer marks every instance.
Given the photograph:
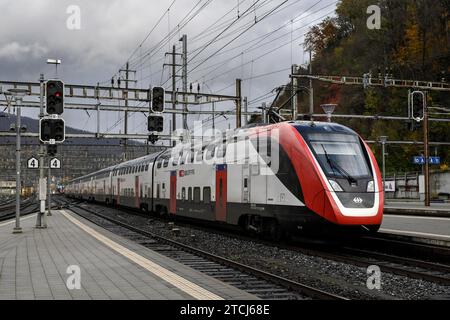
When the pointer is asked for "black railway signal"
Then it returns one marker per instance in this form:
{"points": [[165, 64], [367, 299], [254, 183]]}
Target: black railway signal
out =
{"points": [[158, 99], [153, 138], [155, 123], [418, 105], [54, 92], [52, 149], [51, 130]]}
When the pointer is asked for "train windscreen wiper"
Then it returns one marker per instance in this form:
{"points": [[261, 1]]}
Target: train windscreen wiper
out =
{"points": [[334, 165]]}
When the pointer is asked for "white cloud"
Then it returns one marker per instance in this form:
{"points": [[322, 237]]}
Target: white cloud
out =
{"points": [[16, 51]]}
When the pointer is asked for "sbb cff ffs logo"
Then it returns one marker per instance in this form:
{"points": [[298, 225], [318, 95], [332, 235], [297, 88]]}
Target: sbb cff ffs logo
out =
{"points": [[54, 92], [51, 130]]}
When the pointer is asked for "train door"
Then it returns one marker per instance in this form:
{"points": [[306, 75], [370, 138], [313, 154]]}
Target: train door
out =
{"points": [[137, 200], [221, 192], [245, 183], [257, 184], [173, 192]]}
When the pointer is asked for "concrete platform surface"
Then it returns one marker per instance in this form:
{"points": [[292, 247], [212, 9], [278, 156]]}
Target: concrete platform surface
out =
{"points": [[47, 264], [437, 228], [437, 209]]}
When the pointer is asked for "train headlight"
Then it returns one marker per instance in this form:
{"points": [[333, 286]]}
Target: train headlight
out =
{"points": [[370, 186], [335, 185]]}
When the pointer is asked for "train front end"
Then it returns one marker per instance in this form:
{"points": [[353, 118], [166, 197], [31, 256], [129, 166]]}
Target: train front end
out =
{"points": [[339, 175]]}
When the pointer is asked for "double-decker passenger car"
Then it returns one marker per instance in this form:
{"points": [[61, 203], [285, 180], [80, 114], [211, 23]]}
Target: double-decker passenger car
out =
{"points": [[289, 176]]}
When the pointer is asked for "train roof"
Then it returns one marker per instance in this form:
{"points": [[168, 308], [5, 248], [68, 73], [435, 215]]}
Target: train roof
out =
{"points": [[321, 127]]}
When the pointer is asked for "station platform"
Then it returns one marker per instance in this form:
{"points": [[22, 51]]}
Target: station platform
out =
{"points": [[432, 230], [42, 264], [415, 208]]}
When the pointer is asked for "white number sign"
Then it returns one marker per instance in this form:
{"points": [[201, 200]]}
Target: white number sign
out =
{"points": [[33, 163], [55, 163]]}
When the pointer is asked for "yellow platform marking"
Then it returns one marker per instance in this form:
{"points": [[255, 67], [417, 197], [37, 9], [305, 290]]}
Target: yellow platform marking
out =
{"points": [[181, 283]]}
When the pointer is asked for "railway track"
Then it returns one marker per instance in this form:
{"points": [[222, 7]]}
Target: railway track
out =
{"points": [[260, 283], [364, 253], [9, 211]]}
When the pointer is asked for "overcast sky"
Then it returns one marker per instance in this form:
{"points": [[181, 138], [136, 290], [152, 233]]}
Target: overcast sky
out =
{"points": [[111, 31]]}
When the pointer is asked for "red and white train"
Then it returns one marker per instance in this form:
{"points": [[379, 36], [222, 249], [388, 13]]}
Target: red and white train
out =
{"points": [[289, 176]]}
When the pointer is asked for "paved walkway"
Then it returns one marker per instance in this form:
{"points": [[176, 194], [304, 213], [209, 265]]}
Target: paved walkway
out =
{"points": [[39, 264], [419, 226]]}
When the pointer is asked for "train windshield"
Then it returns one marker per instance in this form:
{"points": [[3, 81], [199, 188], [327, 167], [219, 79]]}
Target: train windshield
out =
{"points": [[340, 155]]}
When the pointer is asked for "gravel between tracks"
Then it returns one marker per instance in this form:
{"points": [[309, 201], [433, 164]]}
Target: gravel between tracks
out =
{"points": [[337, 277]]}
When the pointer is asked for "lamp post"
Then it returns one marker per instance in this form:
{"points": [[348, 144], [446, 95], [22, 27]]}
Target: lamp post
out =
{"points": [[328, 108], [56, 62], [18, 95], [383, 140]]}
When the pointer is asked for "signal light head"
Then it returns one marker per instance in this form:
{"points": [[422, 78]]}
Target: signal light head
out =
{"points": [[158, 99], [52, 129], [54, 92]]}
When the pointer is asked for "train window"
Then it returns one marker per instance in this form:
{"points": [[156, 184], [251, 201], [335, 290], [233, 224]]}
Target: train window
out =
{"points": [[183, 193], [199, 156], [210, 152], [196, 194], [165, 163], [182, 159], [175, 161], [158, 164], [189, 194], [207, 195], [146, 167], [222, 150], [192, 156]]}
